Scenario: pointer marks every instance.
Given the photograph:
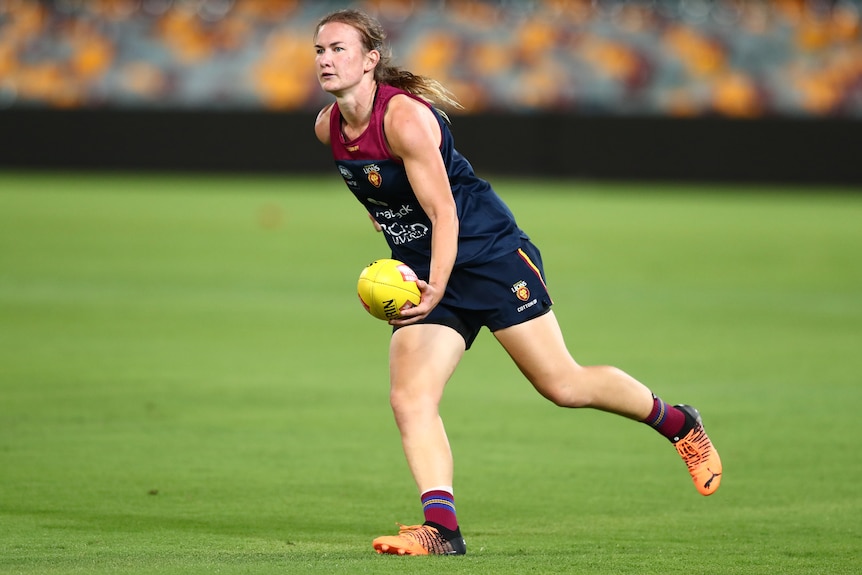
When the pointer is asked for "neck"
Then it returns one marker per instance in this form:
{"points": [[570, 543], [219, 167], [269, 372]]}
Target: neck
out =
{"points": [[356, 106]]}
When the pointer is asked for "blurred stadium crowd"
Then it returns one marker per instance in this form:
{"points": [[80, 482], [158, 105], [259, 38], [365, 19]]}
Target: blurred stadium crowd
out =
{"points": [[641, 57]]}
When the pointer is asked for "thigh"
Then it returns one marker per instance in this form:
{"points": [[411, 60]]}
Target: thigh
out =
{"points": [[538, 349], [422, 358]]}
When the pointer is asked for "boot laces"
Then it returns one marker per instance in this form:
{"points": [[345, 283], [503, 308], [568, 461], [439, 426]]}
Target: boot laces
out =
{"points": [[694, 447], [427, 536]]}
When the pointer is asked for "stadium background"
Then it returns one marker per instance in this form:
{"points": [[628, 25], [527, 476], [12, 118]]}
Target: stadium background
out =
{"points": [[662, 89]]}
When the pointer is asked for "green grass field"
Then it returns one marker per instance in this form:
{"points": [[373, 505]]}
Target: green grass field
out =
{"points": [[188, 383]]}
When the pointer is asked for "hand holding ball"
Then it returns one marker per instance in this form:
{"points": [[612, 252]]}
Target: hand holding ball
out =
{"points": [[386, 287]]}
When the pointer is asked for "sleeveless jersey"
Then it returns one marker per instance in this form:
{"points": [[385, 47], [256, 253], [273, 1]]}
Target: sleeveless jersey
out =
{"points": [[379, 181]]}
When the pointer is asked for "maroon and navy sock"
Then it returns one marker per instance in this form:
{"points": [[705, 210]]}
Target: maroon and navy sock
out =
{"points": [[666, 419], [439, 508]]}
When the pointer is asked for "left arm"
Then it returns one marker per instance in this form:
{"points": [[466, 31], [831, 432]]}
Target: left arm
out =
{"points": [[413, 135]]}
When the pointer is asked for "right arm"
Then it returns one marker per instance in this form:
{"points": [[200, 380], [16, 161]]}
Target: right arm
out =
{"points": [[321, 125]]}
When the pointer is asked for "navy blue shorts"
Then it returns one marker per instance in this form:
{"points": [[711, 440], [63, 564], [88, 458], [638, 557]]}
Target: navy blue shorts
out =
{"points": [[498, 294]]}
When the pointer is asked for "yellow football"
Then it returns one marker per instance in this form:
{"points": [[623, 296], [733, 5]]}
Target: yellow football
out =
{"points": [[386, 287]]}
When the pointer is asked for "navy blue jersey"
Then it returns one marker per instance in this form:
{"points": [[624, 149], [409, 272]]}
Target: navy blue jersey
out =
{"points": [[379, 181]]}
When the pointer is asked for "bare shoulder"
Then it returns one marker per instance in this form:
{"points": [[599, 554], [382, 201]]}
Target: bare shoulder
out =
{"points": [[404, 108], [321, 124], [408, 121]]}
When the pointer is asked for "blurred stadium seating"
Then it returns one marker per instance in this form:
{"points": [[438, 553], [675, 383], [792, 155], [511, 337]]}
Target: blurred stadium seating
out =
{"points": [[675, 58]]}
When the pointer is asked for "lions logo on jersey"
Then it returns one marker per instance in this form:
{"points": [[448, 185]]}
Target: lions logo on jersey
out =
{"points": [[373, 173]]}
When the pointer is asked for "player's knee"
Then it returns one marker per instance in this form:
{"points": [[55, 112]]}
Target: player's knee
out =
{"points": [[564, 389], [398, 401], [407, 404], [567, 396], [563, 392]]}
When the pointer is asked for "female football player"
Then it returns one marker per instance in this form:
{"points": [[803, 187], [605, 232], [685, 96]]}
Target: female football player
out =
{"points": [[395, 152]]}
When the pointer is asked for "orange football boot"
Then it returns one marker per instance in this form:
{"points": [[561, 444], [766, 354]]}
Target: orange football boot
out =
{"points": [[699, 454], [419, 540]]}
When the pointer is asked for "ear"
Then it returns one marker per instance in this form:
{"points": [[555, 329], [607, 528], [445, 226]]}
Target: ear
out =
{"points": [[372, 58]]}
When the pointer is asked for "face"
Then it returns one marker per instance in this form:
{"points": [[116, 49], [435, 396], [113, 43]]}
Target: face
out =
{"points": [[341, 60]]}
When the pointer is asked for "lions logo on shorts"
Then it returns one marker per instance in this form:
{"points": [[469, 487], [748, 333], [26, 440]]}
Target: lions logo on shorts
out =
{"points": [[521, 290]]}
